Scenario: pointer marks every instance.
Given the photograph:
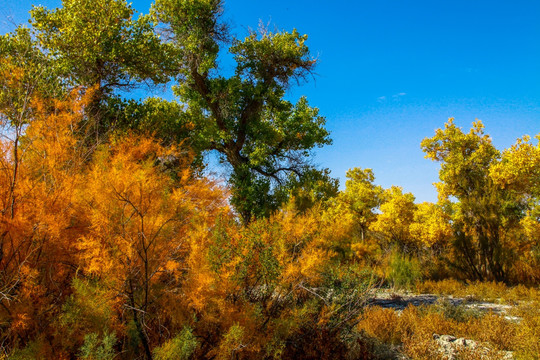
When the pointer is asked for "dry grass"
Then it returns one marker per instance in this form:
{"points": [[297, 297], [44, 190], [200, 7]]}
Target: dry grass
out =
{"points": [[382, 324], [528, 332], [487, 291], [414, 329]]}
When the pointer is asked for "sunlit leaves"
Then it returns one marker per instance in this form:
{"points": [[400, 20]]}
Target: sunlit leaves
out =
{"points": [[483, 213], [397, 214], [431, 225], [100, 43], [361, 197], [264, 138]]}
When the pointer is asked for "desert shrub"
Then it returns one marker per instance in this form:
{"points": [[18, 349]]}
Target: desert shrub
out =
{"points": [[480, 291], [98, 348], [527, 269], [421, 346], [457, 312], [522, 293], [435, 267], [528, 333], [487, 290], [180, 347], [415, 327], [404, 271], [426, 320], [370, 348], [479, 353], [381, 324], [495, 330], [443, 287]]}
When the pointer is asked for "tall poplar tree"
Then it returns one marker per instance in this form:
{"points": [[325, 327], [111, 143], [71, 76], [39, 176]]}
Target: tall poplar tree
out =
{"points": [[244, 117], [482, 212]]}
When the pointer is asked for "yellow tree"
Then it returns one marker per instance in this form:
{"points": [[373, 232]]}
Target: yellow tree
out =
{"points": [[483, 214], [361, 197], [431, 226], [431, 230], [396, 217], [518, 173]]}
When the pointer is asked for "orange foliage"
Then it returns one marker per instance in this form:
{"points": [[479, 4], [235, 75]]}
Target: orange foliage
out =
{"points": [[38, 221], [112, 216], [111, 250]]}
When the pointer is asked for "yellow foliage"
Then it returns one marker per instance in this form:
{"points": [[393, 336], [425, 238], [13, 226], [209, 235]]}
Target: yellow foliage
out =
{"points": [[415, 327], [483, 291], [519, 167], [381, 324], [366, 249], [104, 240], [397, 214], [431, 225]]}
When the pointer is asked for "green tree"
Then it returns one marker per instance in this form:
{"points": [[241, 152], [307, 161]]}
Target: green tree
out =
{"points": [[362, 197], [314, 187], [101, 44], [264, 138], [26, 72]]}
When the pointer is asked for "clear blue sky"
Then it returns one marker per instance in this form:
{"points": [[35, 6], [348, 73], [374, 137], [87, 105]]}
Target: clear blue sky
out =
{"points": [[391, 71]]}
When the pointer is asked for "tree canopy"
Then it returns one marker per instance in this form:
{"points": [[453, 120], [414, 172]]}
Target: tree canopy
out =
{"points": [[264, 138]]}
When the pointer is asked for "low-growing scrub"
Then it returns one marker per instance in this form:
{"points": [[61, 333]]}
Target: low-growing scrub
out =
{"points": [[415, 327], [452, 311], [403, 271], [479, 291]]}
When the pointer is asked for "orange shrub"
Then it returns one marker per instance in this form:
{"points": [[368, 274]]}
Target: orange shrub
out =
{"points": [[381, 324]]}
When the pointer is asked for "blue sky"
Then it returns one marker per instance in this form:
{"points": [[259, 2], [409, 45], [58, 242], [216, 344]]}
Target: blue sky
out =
{"points": [[392, 71]]}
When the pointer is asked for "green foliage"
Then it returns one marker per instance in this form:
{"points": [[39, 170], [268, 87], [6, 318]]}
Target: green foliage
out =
{"points": [[100, 43], [88, 307], [101, 46], [232, 343], [96, 348], [404, 271], [314, 187], [29, 352], [162, 119], [120, 249], [194, 29], [259, 270], [325, 326], [25, 71], [181, 347], [133, 339], [362, 197], [346, 287], [165, 119], [244, 118], [457, 312]]}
